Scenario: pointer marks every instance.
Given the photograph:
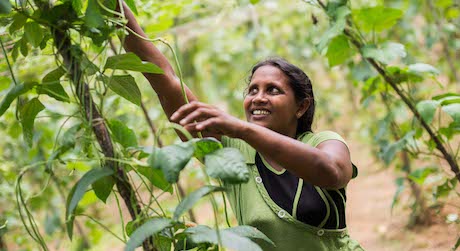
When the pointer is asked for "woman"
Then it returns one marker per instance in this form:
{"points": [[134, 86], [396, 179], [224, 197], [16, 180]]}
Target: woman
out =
{"points": [[296, 194]]}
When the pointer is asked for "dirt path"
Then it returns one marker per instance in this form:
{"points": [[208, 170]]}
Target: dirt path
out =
{"points": [[371, 222]]}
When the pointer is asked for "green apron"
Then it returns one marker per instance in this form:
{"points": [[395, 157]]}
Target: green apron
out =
{"points": [[253, 206]]}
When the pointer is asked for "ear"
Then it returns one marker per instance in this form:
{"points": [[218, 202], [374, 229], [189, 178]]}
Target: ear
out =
{"points": [[303, 107]]}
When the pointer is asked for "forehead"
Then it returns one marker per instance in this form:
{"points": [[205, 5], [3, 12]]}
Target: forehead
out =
{"points": [[269, 74]]}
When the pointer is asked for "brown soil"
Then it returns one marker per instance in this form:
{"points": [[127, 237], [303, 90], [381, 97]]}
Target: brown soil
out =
{"points": [[372, 223]]}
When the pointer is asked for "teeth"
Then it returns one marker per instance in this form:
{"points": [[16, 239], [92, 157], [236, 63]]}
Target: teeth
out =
{"points": [[260, 112]]}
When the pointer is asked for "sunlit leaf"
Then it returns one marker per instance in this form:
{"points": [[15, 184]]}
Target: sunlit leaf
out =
{"points": [[427, 109], [453, 110], [79, 190], [338, 51], [419, 175], [15, 92], [173, 158], [131, 62], [188, 202], [34, 33], [227, 164], [336, 29], [376, 18], [122, 134], [132, 5], [387, 52], [143, 232], [28, 113], [77, 5], [126, 87], [420, 69], [206, 146]]}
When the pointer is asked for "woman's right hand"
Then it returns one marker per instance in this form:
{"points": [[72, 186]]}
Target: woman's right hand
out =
{"points": [[209, 120]]}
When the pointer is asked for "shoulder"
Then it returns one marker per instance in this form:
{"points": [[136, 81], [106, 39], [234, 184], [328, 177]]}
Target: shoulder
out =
{"points": [[314, 139]]}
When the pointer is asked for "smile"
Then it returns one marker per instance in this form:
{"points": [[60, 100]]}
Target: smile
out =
{"points": [[260, 112]]}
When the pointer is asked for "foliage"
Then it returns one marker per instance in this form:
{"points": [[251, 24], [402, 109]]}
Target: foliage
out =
{"points": [[50, 144]]}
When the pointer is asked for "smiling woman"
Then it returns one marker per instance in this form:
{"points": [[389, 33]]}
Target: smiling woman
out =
{"points": [[296, 194]]}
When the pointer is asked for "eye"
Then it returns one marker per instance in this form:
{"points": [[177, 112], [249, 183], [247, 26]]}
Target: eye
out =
{"points": [[274, 90], [252, 90]]}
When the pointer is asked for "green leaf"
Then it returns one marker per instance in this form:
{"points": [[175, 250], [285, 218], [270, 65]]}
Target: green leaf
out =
{"points": [[126, 87], [338, 51], [391, 150], [421, 69], [15, 92], [444, 189], [130, 62], [206, 146], [77, 192], [173, 158], [132, 6], [377, 18], [457, 244], [34, 33], [336, 29], [93, 16], [103, 187], [453, 110], [427, 109], [250, 232], [230, 240], [156, 177], [77, 5], [51, 85], [143, 232], [122, 134], [420, 174], [188, 202], [387, 53], [254, 1], [5, 7], [400, 188], [446, 96], [19, 20], [28, 113], [227, 164]]}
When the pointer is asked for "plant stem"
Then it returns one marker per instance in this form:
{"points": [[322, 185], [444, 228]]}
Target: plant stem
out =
{"points": [[8, 63]]}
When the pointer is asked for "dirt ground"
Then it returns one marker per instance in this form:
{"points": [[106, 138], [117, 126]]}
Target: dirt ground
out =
{"points": [[372, 223]]}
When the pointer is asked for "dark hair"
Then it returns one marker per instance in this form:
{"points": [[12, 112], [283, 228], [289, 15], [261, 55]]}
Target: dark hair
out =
{"points": [[301, 85]]}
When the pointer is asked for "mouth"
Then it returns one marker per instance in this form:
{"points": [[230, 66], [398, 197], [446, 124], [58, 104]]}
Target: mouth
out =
{"points": [[260, 112]]}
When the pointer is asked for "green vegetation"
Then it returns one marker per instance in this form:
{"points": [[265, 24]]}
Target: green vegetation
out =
{"points": [[83, 133]]}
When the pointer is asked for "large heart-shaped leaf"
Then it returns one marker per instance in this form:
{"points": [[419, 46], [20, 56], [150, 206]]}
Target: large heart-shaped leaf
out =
{"points": [[143, 232], [103, 187], [173, 158], [454, 111], [188, 202], [34, 33], [387, 52], [227, 164], [338, 51], [51, 85], [126, 87], [79, 190], [205, 146], [376, 18], [131, 62]]}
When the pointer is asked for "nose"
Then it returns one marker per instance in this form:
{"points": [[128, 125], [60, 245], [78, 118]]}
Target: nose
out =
{"points": [[260, 98]]}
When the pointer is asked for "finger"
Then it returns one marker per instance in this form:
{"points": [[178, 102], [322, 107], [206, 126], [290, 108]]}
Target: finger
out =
{"points": [[199, 114], [206, 124], [184, 110]]}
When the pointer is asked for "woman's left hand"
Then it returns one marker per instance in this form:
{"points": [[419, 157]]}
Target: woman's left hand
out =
{"points": [[205, 118]]}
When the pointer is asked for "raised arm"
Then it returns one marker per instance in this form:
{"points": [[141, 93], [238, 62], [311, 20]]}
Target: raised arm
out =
{"points": [[167, 85]]}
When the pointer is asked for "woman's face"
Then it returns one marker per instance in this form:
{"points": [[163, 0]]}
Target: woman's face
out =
{"points": [[270, 101]]}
